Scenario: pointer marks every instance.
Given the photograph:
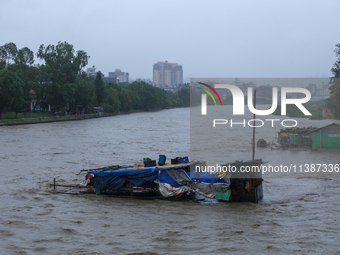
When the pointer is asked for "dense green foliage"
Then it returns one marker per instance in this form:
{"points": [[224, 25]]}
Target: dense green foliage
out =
{"points": [[334, 100], [61, 83]]}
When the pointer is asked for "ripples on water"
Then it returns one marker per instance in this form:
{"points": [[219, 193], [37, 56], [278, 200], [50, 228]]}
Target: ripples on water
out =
{"points": [[297, 215]]}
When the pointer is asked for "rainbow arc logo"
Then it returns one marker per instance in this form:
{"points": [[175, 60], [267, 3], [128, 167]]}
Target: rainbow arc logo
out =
{"points": [[208, 92], [204, 97]]}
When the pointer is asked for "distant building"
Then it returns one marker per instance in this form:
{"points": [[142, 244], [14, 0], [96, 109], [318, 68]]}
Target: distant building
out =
{"points": [[91, 71], [324, 91], [312, 89], [110, 79], [167, 74], [327, 113], [119, 75], [264, 92]]}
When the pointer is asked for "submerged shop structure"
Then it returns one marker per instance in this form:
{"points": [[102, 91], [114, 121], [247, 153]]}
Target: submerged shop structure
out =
{"points": [[176, 181], [326, 137], [295, 138], [310, 137]]}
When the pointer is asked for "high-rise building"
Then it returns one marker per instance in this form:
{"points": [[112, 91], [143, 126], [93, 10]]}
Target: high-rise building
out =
{"points": [[121, 76], [167, 74], [91, 71]]}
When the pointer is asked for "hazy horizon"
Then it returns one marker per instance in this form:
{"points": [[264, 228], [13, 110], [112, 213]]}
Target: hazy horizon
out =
{"points": [[209, 39]]}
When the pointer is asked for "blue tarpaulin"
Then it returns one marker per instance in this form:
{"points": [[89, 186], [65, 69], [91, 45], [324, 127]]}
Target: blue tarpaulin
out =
{"points": [[165, 178], [205, 177], [133, 171], [114, 179]]}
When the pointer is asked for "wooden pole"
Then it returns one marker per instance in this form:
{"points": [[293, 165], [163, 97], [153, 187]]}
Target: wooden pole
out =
{"points": [[54, 183]]}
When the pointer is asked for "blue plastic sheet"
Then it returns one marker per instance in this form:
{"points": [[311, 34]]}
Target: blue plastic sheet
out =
{"points": [[114, 179], [131, 171], [165, 178], [204, 177]]}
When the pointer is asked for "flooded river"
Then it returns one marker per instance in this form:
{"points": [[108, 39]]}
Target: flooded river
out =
{"points": [[297, 215]]}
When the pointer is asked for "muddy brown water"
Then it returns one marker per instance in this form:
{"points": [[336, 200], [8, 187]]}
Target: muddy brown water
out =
{"points": [[297, 215]]}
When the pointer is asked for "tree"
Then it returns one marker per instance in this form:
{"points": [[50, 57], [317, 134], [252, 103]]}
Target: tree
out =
{"points": [[9, 81], [125, 100], [64, 67], [28, 76], [8, 54], [24, 57], [111, 101], [19, 61], [85, 92], [65, 64], [150, 97], [99, 85], [335, 87], [184, 96], [42, 85], [18, 102]]}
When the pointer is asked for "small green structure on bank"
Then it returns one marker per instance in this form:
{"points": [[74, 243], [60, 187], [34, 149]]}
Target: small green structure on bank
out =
{"points": [[326, 137]]}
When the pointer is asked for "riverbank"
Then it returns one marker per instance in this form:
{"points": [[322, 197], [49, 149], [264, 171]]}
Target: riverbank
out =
{"points": [[37, 120]]}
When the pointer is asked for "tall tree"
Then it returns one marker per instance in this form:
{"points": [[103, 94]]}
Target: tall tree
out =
{"points": [[184, 96], [9, 82], [19, 100], [24, 57], [64, 66], [335, 87], [99, 85], [150, 97], [28, 75], [111, 102], [42, 86], [84, 92], [125, 100], [8, 54]]}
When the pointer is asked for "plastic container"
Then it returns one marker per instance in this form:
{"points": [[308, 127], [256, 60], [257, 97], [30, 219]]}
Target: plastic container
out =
{"points": [[180, 160], [149, 163], [161, 160], [174, 161], [183, 160]]}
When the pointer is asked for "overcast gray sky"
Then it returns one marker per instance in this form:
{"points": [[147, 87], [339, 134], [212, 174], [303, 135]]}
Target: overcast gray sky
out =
{"points": [[244, 38]]}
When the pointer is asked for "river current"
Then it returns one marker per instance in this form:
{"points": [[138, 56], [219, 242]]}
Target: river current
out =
{"points": [[297, 215]]}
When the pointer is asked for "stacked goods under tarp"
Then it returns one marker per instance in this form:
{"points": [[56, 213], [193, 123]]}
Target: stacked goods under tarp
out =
{"points": [[174, 182], [178, 181], [132, 180]]}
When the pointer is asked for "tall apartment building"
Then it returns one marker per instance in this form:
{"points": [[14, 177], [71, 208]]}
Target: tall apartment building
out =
{"points": [[120, 76], [167, 74], [91, 71]]}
